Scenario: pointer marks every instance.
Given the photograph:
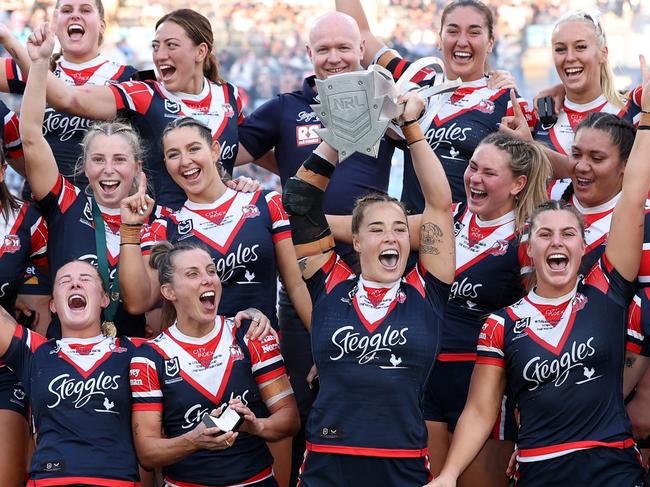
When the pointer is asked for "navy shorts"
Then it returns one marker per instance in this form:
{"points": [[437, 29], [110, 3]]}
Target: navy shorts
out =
{"points": [[445, 395], [334, 470], [12, 394], [594, 467]]}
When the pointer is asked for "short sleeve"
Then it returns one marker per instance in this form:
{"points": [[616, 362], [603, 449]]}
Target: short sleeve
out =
{"points": [[11, 142], [490, 348], [134, 96], [154, 233], [260, 131], [280, 227], [143, 378], [15, 77], [436, 291], [266, 360], [21, 350]]}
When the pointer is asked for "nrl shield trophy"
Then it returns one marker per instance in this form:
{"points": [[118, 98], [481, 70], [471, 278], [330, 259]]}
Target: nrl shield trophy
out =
{"points": [[357, 108]]}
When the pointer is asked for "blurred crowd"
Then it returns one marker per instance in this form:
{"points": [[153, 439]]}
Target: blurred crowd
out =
{"points": [[262, 42]]}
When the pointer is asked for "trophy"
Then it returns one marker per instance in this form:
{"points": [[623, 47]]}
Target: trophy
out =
{"points": [[357, 108]]}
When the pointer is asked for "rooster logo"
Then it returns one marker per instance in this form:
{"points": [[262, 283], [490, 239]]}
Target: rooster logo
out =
{"points": [[395, 363]]}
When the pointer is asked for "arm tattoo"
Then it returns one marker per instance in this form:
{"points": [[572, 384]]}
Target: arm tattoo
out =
{"points": [[630, 360], [430, 237]]}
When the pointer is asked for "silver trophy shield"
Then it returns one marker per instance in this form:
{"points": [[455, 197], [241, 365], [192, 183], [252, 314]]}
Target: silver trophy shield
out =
{"points": [[355, 109]]}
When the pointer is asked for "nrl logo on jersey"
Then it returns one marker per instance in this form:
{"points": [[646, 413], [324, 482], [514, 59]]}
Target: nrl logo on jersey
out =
{"points": [[171, 106], [185, 227], [172, 368], [521, 325]]}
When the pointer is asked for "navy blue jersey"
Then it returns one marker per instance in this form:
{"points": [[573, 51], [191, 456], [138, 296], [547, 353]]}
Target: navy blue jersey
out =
{"points": [[373, 347], [64, 132], [150, 107], [81, 407], [23, 238], [287, 124], [9, 133], [69, 216], [239, 230], [185, 378], [473, 112], [488, 277], [564, 363]]}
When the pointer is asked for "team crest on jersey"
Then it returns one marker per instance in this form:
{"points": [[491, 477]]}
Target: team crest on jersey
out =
{"points": [[250, 211], [171, 106], [185, 227], [172, 368], [500, 247], [521, 325], [236, 353], [228, 110], [486, 106], [458, 226], [579, 301], [19, 394], [11, 243]]}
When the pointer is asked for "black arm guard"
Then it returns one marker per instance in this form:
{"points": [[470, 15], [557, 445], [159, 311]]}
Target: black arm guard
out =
{"points": [[304, 205]]}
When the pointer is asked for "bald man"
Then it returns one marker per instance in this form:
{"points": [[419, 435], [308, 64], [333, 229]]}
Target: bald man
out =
{"points": [[287, 124]]}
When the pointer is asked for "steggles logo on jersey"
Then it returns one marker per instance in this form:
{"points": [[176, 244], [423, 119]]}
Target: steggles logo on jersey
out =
{"points": [[307, 117], [11, 244], [65, 126], [366, 348], [556, 371], [80, 391], [228, 151], [464, 289], [194, 414], [235, 261], [446, 135]]}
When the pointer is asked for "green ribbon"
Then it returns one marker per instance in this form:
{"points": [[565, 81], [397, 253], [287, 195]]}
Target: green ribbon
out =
{"points": [[102, 262]]}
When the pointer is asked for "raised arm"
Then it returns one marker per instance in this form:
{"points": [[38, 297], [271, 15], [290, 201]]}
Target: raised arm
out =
{"points": [[96, 102], [355, 10], [139, 286], [40, 165], [303, 201], [626, 233], [437, 248]]}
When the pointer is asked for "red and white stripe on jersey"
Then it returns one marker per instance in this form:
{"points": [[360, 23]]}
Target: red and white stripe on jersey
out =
{"points": [[265, 359], [597, 221], [145, 387], [12, 143], [531, 115], [491, 342], [138, 96], [264, 474], [562, 132], [476, 239], [635, 336], [374, 301], [280, 228], [554, 451], [33, 340], [13, 72], [66, 193], [336, 271], [87, 354], [98, 71]]}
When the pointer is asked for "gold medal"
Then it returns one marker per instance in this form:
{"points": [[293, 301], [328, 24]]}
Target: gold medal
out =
{"points": [[115, 296], [109, 329]]}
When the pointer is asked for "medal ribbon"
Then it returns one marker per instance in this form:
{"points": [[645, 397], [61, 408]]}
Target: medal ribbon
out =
{"points": [[102, 262]]}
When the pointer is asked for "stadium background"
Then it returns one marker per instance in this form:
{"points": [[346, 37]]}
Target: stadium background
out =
{"points": [[260, 44]]}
